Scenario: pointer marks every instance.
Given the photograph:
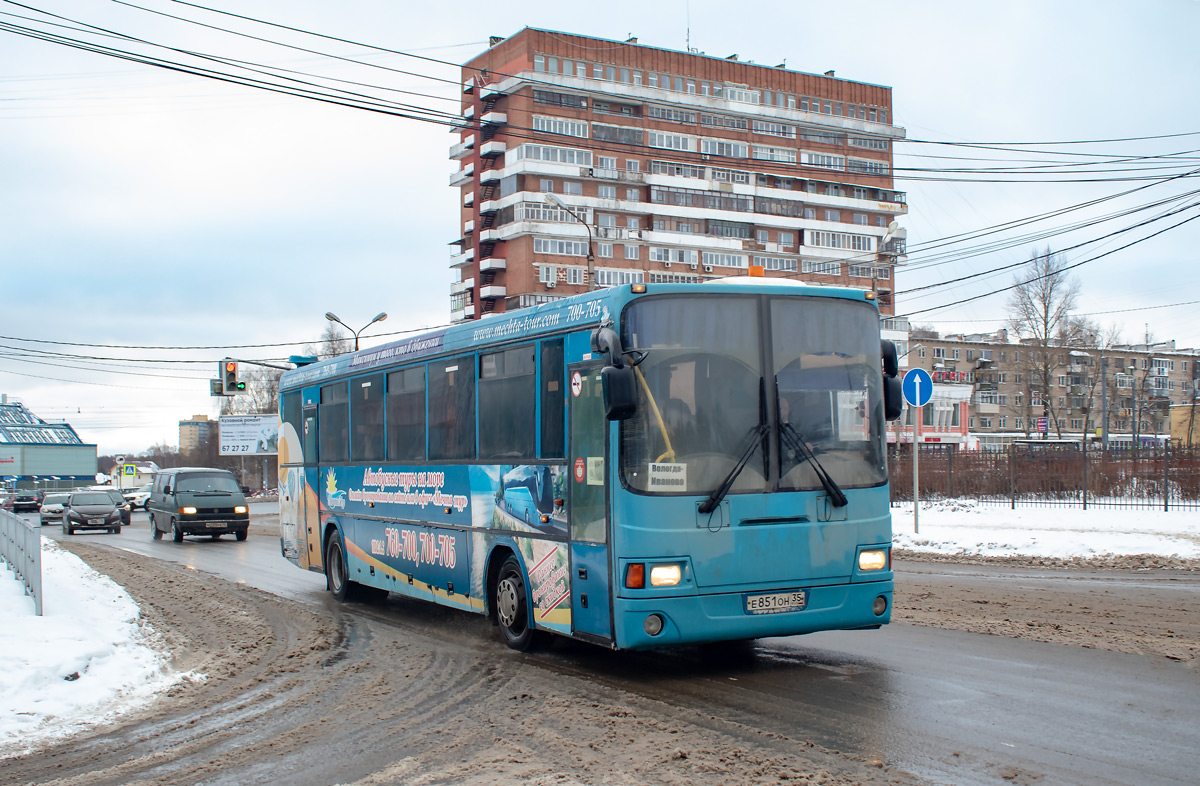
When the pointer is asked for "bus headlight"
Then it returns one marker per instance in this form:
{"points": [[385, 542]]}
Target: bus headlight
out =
{"points": [[665, 575], [873, 559]]}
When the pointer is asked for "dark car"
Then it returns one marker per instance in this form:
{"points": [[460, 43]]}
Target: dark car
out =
{"points": [[27, 501], [118, 498], [90, 510], [197, 501]]}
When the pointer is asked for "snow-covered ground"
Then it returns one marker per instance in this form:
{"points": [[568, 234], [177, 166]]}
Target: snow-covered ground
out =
{"points": [[89, 659], [965, 528], [84, 662]]}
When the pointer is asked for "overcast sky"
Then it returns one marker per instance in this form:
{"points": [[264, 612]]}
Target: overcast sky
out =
{"points": [[142, 207]]}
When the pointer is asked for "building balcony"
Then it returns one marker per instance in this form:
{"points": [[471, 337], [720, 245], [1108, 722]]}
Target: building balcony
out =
{"points": [[491, 92], [468, 85], [492, 149], [465, 258], [490, 176], [492, 263], [492, 291], [468, 226], [462, 149], [468, 199], [489, 236], [462, 176], [466, 312], [987, 409], [493, 118], [462, 286], [488, 206]]}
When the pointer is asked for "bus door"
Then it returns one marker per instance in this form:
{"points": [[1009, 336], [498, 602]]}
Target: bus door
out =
{"points": [[310, 513], [587, 519]]}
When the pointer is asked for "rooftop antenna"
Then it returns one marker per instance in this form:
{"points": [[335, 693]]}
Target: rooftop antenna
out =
{"points": [[687, 5]]}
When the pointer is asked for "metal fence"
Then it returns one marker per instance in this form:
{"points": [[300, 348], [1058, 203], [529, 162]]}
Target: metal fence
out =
{"points": [[1069, 476], [21, 548]]}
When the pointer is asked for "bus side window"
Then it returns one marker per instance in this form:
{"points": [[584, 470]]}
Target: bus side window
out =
{"points": [[452, 408], [506, 403], [553, 396], [406, 415], [334, 414], [366, 418]]}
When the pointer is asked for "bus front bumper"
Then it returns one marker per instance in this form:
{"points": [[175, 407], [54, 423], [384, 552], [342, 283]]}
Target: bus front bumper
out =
{"points": [[723, 617]]}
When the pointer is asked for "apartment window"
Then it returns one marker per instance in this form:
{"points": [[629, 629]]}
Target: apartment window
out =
{"points": [[652, 80], [985, 422], [604, 250], [823, 161], [821, 268], [559, 99], [763, 236], [777, 263], [614, 278], [954, 354], [669, 141], [774, 129], [781, 154], [547, 186], [573, 188], [547, 274], [721, 121], [546, 245], [625, 75], [539, 64], [633, 194], [560, 125], [633, 222], [830, 215], [921, 351], [637, 78], [631, 252], [606, 162], [860, 219], [606, 192], [787, 239], [722, 147], [1019, 423], [575, 275], [939, 353], [810, 213], [1003, 422], [610, 73], [671, 114], [597, 71], [633, 165], [718, 259]]}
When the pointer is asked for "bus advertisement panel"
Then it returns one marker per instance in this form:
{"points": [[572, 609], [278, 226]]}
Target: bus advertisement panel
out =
{"points": [[642, 466]]}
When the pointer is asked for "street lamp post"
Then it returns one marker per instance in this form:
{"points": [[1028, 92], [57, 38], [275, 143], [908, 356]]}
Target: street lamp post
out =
{"points": [[553, 199], [382, 315]]}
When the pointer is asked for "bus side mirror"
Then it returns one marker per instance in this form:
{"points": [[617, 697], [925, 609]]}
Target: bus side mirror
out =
{"points": [[893, 398], [891, 364], [620, 392]]}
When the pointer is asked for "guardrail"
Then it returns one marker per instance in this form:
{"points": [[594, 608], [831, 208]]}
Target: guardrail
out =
{"points": [[21, 548]]}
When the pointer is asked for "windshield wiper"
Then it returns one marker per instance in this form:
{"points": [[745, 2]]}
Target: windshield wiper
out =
{"points": [[213, 493], [753, 440], [793, 439]]}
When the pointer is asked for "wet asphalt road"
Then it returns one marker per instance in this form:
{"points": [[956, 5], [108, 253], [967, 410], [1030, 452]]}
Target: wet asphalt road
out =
{"points": [[948, 706]]}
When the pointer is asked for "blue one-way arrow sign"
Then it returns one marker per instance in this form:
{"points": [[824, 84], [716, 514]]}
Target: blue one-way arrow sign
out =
{"points": [[917, 386]]}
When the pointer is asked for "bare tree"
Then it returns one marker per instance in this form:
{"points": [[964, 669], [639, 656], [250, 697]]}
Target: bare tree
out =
{"points": [[333, 342], [1040, 314]]}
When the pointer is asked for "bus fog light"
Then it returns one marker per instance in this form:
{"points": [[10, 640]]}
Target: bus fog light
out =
{"points": [[879, 606], [875, 559], [653, 625], [665, 575]]}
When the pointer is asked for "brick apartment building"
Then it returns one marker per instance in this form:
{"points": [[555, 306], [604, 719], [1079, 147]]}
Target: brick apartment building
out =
{"points": [[988, 390], [666, 166]]}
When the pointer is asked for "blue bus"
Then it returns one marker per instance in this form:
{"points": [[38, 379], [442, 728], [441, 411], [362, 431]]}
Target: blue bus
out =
{"points": [[646, 465]]}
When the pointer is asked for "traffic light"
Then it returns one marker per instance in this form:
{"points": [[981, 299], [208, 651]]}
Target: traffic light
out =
{"points": [[230, 386]]}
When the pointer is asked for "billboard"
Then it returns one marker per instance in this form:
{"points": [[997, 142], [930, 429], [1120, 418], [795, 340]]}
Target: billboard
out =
{"points": [[249, 435]]}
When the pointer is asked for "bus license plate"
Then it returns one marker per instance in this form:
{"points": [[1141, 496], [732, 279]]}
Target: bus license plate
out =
{"points": [[776, 603], [215, 525]]}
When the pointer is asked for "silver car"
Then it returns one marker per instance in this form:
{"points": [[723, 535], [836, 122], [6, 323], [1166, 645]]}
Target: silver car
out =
{"points": [[90, 510], [52, 507]]}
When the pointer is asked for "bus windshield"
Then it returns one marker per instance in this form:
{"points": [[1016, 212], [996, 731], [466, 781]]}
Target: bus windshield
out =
{"points": [[709, 380]]}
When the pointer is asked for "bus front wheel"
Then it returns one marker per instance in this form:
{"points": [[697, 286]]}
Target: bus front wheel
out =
{"points": [[512, 609], [337, 575]]}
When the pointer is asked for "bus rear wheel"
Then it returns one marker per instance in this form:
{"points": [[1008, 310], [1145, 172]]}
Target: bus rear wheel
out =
{"points": [[512, 609]]}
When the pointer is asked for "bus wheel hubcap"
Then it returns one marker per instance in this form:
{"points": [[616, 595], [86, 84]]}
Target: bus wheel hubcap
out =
{"points": [[507, 602]]}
